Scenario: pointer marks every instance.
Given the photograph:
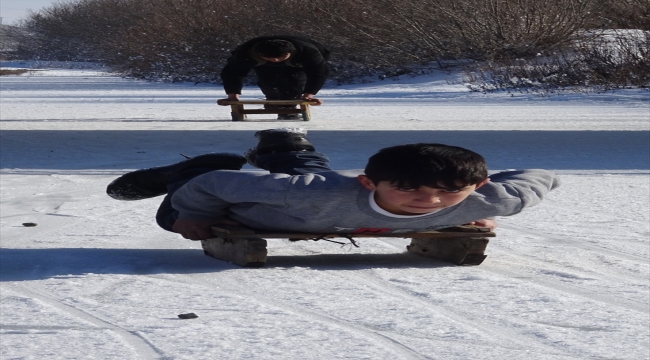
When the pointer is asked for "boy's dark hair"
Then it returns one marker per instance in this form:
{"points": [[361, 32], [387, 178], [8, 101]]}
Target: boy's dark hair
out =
{"points": [[274, 48], [432, 165]]}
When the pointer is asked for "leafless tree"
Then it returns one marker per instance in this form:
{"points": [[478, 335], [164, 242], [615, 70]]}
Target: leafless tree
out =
{"points": [[181, 40]]}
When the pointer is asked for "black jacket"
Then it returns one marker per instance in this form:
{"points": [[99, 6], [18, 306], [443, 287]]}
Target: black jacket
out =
{"points": [[310, 55]]}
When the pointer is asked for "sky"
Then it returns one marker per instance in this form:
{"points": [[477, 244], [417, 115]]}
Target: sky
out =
{"points": [[14, 10]]}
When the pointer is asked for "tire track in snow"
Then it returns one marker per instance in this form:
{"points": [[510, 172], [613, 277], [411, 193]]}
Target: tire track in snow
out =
{"points": [[536, 265], [577, 243], [141, 346], [532, 263], [553, 205], [400, 350], [503, 336], [617, 273], [591, 295]]}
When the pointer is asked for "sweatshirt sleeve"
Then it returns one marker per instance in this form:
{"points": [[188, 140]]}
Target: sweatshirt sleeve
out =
{"points": [[237, 68], [210, 195], [316, 69], [512, 191]]}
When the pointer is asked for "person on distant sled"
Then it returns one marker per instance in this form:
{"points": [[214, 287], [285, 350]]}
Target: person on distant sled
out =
{"points": [[287, 68], [404, 188]]}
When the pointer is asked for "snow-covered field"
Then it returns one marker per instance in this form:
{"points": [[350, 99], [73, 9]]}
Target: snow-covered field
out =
{"points": [[97, 279]]}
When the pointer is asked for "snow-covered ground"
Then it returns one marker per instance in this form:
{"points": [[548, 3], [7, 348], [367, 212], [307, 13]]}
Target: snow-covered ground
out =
{"points": [[97, 279]]}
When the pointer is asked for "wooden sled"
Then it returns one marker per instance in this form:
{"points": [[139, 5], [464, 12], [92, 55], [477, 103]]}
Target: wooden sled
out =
{"points": [[239, 113], [460, 245]]}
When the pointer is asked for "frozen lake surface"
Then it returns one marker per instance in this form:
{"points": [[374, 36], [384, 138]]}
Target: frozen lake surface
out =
{"points": [[97, 279]]}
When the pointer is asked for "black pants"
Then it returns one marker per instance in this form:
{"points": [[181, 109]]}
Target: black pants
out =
{"points": [[281, 82], [292, 163]]}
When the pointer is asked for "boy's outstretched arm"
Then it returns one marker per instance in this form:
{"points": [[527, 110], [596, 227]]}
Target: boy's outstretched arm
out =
{"points": [[509, 192]]}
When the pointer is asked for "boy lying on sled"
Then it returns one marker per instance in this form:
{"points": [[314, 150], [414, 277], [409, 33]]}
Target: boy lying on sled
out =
{"points": [[405, 188]]}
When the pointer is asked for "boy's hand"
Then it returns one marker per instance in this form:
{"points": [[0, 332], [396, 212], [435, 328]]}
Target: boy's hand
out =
{"points": [[486, 223], [314, 101], [231, 97], [200, 229], [194, 229]]}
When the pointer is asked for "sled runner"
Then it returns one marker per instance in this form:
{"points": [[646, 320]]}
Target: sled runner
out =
{"points": [[239, 113], [460, 245]]}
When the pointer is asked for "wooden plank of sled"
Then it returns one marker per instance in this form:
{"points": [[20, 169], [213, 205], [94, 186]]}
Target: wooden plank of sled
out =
{"points": [[238, 112], [461, 245]]}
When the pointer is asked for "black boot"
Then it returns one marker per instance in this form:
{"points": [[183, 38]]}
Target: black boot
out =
{"points": [[289, 116], [148, 183], [279, 140], [295, 116]]}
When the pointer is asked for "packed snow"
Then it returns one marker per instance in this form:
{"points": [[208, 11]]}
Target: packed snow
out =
{"points": [[97, 279]]}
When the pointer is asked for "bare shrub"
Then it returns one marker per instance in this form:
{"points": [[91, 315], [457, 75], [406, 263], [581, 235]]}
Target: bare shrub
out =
{"points": [[13, 71], [363, 43], [189, 40], [600, 61], [175, 39], [79, 30], [503, 29], [623, 14], [403, 34]]}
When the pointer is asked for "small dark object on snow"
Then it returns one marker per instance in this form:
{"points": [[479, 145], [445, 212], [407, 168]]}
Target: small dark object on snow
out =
{"points": [[188, 316], [29, 224]]}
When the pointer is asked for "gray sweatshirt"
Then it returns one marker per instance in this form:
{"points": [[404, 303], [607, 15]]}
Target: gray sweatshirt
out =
{"points": [[335, 201]]}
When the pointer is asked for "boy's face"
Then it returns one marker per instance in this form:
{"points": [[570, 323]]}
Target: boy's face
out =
{"points": [[418, 201]]}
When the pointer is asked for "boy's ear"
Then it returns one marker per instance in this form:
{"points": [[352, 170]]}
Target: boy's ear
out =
{"points": [[482, 183], [366, 182]]}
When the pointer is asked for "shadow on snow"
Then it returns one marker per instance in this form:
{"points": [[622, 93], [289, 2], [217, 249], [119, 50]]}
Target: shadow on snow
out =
{"points": [[38, 264], [554, 150]]}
